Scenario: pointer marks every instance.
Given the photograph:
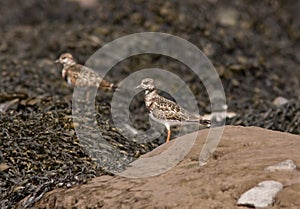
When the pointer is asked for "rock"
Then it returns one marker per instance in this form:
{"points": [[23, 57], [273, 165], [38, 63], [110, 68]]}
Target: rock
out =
{"points": [[236, 67], [136, 18], [279, 101], [219, 116], [6, 97], [3, 167], [287, 165], [230, 114], [86, 3], [95, 39], [228, 17], [33, 101], [235, 166], [7, 105], [261, 195]]}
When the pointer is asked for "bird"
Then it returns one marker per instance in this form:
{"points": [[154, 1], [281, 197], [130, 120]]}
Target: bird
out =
{"points": [[165, 111], [78, 75]]}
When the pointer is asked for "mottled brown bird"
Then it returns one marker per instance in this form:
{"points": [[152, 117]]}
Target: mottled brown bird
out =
{"points": [[166, 111], [79, 75]]}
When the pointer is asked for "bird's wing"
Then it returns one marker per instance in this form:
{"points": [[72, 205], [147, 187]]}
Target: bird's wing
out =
{"points": [[88, 77], [167, 110]]}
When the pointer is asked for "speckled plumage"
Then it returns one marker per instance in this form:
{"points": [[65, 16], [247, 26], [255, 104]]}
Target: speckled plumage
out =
{"points": [[79, 75], [166, 111]]}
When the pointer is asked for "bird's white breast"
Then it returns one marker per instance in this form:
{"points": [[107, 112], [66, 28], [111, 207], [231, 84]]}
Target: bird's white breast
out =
{"points": [[69, 80], [63, 73]]}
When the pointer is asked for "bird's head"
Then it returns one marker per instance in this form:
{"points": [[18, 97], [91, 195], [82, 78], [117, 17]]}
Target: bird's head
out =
{"points": [[66, 59], [147, 84]]}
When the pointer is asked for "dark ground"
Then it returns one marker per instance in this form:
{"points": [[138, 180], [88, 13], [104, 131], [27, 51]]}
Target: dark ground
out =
{"points": [[254, 45]]}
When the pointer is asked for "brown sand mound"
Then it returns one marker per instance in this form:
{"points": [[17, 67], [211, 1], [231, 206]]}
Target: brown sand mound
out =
{"points": [[236, 166]]}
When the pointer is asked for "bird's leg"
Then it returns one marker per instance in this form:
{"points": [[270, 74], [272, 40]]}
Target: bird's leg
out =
{"points": [[169, 134], [87, 95]]}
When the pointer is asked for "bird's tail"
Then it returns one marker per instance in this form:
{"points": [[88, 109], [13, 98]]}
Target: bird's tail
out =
{"points": [[114, 86], [205, 122], [200, 120], [108, 86]]}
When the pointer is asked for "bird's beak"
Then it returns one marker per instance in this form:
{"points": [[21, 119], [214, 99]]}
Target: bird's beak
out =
{"points": [[56, 61], [138, 87]]}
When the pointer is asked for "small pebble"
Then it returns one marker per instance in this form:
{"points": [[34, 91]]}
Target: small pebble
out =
{"points": [[60, 184], [287, 165], [279, 101]]}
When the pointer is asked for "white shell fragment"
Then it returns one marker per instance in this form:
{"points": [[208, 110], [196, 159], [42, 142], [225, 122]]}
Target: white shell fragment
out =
{"points": [[262, 195], [287, 165]]}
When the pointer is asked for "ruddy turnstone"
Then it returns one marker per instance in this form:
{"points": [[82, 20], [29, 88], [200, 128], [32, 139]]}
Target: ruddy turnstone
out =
{"points": [[79, 75], [166, 111]]}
